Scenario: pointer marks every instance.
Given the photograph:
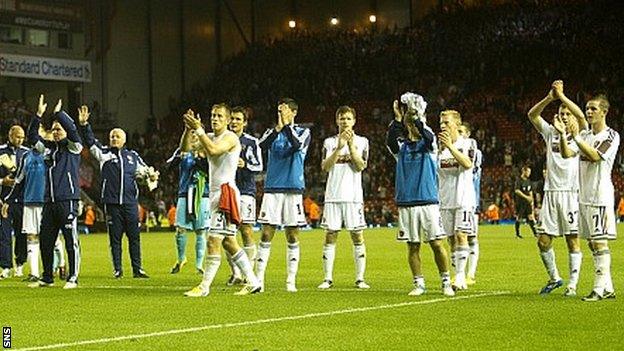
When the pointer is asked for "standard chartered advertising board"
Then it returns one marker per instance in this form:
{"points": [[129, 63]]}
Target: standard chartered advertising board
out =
{"points": [[44, 68]]}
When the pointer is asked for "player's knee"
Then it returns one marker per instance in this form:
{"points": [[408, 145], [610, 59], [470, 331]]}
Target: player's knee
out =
{"points": [[32, 237], [413, 247], [544, 242], [573, 243], [331, 237], [357, 237], [292, 234]]}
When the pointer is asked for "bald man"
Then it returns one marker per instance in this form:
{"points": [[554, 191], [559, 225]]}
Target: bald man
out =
{"points": [[119, 168], [11, 155]]}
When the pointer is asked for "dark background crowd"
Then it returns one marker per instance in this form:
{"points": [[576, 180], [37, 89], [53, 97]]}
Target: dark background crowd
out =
{"points": [[491, 63]]}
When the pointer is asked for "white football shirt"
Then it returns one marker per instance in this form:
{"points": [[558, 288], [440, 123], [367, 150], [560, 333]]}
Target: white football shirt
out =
{"points": [[344, 184], [595, 177], [561, 173], [222, 168], [455, 182]]}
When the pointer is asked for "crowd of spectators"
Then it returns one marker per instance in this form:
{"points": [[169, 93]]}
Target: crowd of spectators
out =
{"points": [[491, 63]]}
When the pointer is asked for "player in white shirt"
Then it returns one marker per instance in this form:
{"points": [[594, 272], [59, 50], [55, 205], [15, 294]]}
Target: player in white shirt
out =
{"points": [[344, 158], [457, 195], [559, 210], [222, 148], [598, 147], [473, 241]]}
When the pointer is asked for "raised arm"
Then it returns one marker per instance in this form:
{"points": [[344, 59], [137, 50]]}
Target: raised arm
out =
{"points": [[396, 130], [267, 138], [464, 160], [589, 151], [574, 109], [560, 127], [331, 157], [358, 159], [299, 141], [535, 113], [253, 158], [227, 143], [74, 144]]}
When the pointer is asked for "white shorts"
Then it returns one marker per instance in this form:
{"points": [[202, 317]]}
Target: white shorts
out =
{"points": [[559, 213], [31, 219], [282, 209], [458, 219], [420, 224], [597, 222], [248, 209], [201, 220], [351, 214], [218, 220]]}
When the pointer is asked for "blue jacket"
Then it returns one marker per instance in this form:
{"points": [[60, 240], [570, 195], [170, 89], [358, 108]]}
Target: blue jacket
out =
{"points": [[189, 168], [62, 159], [416, 182], [30, 181], [118, 168], [286, 155], [18, 153], [246, 176]]}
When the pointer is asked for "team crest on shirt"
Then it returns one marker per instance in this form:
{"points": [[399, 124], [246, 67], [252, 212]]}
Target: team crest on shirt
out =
{"points": [[130, 160]]}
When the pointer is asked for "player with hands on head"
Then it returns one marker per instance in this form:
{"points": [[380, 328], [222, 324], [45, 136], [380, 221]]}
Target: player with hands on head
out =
{"points": [[413, 145]]}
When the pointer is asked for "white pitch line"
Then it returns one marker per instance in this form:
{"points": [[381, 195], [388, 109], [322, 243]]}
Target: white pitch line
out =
{"points": [[260, 321]]}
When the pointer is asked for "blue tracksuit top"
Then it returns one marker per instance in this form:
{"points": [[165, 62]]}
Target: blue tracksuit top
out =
{"points": [[246, 176], [30, 180], [18, 153], [416, 182], [62, 159], [118, 168], [286, 155], [188, 171]]}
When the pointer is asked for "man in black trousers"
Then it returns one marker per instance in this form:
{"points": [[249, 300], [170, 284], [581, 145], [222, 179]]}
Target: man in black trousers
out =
{"points": [[60, 209], [120, 168]]}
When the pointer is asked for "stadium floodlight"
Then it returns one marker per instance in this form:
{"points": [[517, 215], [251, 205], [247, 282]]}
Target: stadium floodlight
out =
{"points": [[292, 24], [334, 21], [372, 18]]}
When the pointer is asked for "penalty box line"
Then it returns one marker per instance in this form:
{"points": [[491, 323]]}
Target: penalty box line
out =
{"points": [[261, 321]]}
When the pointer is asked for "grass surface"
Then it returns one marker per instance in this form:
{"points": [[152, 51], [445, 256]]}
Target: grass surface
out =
{"points": [[502, 311]]}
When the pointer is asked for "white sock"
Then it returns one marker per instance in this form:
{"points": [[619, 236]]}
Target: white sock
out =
{"points": [[251, 252], [33, 256], [419, 280], [264, 251], [329, 254], [461, 259], [548, 258], [602, 267], [445, 277], [236, 272], [359, 257], [244, 265], [292, 257], [59, 251], [473, 258], [575, 268], [212, 266]]}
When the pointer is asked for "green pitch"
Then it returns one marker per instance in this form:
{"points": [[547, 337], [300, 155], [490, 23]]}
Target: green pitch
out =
{"points": [[502, 311]]}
